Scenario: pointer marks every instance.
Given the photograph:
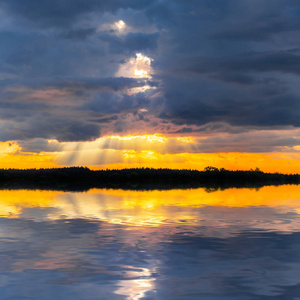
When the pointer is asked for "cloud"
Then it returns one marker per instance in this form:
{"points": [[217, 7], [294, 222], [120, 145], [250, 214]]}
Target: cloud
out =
{"points": [[81, 33], [233, 62], [68, 109], [49, 126], [109, 103], [285, 61], [55, 13], [131, 43], [113, 84]]}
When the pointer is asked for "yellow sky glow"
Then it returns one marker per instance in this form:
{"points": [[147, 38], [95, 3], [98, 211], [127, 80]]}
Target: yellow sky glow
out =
{"points": [[154, 151]]}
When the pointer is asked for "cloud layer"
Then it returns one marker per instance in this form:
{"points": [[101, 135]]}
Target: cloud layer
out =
{"points": [[69, 70]]}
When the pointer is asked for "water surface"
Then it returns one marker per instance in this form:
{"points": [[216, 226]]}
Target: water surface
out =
{"points": [[177, 244]]}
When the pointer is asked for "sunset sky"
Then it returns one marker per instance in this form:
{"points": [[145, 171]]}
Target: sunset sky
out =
{"points": [[150, 83]]}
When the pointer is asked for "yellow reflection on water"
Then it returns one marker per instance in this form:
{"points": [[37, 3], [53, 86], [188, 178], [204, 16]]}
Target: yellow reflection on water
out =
{"points": [[233, 197], [12, 202], [146, 208]]}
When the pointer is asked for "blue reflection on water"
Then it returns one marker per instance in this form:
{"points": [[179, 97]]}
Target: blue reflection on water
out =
{"points": [[92, 259]]}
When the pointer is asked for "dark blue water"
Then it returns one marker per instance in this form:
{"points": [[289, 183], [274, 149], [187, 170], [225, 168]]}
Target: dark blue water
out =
{"points": [[53, 250]]}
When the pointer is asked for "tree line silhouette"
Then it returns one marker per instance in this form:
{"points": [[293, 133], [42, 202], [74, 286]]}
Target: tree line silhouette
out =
{"points": [[82, 178]]}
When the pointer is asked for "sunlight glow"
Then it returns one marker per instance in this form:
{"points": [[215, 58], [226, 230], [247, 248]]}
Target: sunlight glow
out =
{"points": [[137, 67], [137, 151], [186, 139], [8, 148], [151, 138], [140, 73], [12, 156], [142, 65], [118, 28], [120, 25]]}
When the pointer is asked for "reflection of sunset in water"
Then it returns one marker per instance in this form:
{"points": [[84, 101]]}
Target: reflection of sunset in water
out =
{"points": [[155, 208], [134, 245], [135, 289], [12, 202]]}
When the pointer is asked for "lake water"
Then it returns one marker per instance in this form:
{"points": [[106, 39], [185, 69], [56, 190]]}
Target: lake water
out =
{"points": [[178, 244]]}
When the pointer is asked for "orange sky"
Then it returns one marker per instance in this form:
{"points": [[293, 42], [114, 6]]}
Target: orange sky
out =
{"points": [[142, 151]]}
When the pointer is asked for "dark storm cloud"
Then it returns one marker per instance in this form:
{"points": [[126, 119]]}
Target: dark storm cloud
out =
{"points": [[234, 62], [109, 103], [201, 104], [266, 22], [220, 71], [57, 13], [81, 33], [285, 61], [258, 30], [63, 126]]}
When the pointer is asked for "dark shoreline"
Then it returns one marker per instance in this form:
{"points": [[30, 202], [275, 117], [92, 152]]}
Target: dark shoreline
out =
{"points": [[83, 179]]}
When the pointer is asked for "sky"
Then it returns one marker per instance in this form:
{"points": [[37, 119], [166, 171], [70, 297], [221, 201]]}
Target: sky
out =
{"points": [[160, 83]]}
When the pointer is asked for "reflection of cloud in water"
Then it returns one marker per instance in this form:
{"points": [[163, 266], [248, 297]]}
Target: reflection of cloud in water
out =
{"points": [[151, 245], [80, 259]]}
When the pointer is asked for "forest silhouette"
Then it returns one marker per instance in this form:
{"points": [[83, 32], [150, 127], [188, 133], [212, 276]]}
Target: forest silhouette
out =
{"points": [[82, 178]]}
